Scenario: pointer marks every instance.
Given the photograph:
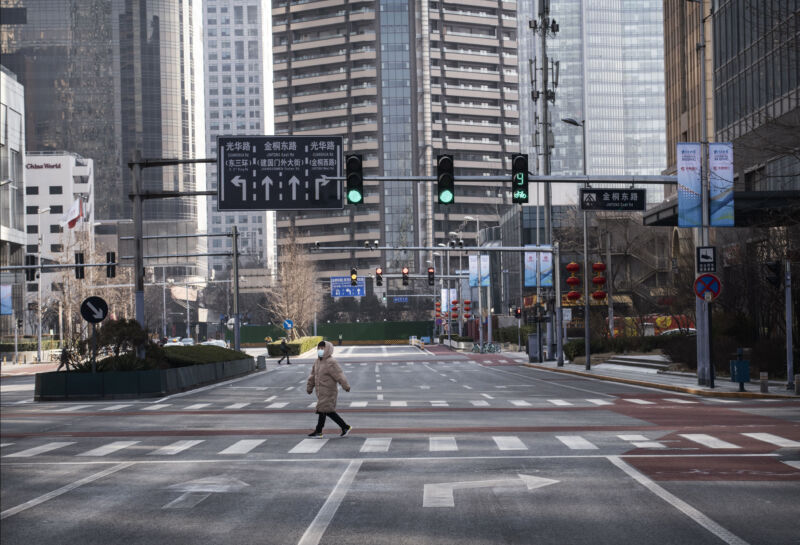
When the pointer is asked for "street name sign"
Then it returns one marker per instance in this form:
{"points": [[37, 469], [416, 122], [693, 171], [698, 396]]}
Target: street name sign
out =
{"points": [[608, 199], [278, 172], [340, 287], [94, 309]]}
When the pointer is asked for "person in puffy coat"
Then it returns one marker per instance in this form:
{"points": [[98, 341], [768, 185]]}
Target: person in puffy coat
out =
{"points": [[326, 375]]}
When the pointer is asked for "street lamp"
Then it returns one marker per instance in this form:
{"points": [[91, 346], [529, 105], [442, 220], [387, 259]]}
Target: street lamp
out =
{"points": [[480, 299], [39, 282], [582, 125], [456, 238]]}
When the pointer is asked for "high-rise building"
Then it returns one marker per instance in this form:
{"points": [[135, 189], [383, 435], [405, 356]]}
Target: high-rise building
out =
{"points": [[402, 82], [12, 199], [108, 78], [236, 56]]}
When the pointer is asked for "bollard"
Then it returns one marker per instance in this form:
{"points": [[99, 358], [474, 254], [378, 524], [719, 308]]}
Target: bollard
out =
{"points": [[764, 383], [261, 362]]}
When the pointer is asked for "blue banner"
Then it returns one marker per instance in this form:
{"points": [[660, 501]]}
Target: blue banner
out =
{"points": [[720, 182], [689, 185], [473, 270], [545, 261], [6, 307]]}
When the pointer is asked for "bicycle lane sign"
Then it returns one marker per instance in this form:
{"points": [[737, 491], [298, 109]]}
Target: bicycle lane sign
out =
{"points": [[707, 287]]}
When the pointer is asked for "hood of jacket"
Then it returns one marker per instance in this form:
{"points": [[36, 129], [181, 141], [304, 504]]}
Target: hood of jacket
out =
{"points": [[327, 352]]}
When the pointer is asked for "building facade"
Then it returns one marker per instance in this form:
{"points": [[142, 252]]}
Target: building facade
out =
{"points": [[12, 199], [236, 82], [110, 78], [402, 82]]}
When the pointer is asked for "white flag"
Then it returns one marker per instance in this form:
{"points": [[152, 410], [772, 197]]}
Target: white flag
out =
{"points": [[73, 214]]}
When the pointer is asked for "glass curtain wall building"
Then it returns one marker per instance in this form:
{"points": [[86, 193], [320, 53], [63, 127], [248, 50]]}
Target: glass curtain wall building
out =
{"points": [[107, 78], [402, 82], [611, 76], [236, 58]]}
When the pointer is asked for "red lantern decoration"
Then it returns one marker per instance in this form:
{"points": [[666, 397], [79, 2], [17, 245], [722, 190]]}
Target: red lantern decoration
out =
{"points": [[574, 295], [598, 267], [573, 267], [467, 302], [455, 315], [599, 280], [454, 301], [573, 281], [599, 294], [467, 315]]}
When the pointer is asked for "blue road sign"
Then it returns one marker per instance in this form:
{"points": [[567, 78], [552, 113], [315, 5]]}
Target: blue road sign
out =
{"points": [[288, 324], [340, 287], [400, 299]]}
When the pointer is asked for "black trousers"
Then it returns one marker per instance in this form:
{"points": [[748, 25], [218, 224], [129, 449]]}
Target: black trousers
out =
{"points": [[335, 417], [285, 355]]}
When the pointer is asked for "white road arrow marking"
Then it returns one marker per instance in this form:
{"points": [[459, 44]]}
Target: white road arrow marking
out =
{"points": [[441, 494], [98, 314], [196, 491], [319, 182], [294, 182], [240, 182]]}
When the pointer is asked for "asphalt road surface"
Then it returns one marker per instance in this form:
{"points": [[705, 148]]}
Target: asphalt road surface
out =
{"points": [[446, 449]]}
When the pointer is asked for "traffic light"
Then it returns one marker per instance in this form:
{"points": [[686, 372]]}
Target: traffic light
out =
{"points": [[111, 270], [519, 178], [355, 179], [517, 313], [405, 276], [445, 179], [354, 277], [379, 277], [431, 276], [30, 273], [78, 265], [773, 272], [19, 323]]}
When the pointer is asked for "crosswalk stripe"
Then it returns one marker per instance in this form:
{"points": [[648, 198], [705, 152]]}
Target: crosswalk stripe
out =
{"points": [[5, 445], [35, 451], [487, 396], [175, 448], [707, 440], [774, 439], [269, 399], [480, 403], [519, 402], [279, 405], [467, 387], [237, 406], [308, 446], [376, 444], [640, 441], [509, 442], [441, 444], [114, 407], [156, 407], [792, 463], [576, 442], [380, 397], [358, 404], [440, 404], [312, 404], [242, 447], [718, 400], [559, 402], [196, 406], [640, 401], [600, 402], [109, 448], [678, 400], [399, 404], [289, 388], [71, 409]]}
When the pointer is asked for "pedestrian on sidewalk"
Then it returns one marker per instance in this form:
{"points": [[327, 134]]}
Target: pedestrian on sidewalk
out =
{"points": [[326, 375], [340, 339], [285, 350]]}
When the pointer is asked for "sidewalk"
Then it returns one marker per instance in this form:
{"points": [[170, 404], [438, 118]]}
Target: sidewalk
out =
{"points": [[672, 381]]}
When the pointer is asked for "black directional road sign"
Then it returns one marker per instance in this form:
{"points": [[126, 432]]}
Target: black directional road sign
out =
{"points": [[94, 309], [278, 172], [612, 199]]}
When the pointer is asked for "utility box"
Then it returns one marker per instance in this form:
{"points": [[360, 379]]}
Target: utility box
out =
{"points": [[740, 371], [533, 348]]}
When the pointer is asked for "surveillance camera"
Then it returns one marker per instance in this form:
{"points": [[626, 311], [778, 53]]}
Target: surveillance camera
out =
{"points": [[366, 244]]}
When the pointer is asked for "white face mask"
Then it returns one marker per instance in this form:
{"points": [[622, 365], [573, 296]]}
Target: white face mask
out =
{"points": [[320, 353]]}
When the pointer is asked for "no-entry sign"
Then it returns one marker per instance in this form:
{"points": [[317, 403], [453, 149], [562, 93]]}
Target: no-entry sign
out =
{"points": [[707, 287]]}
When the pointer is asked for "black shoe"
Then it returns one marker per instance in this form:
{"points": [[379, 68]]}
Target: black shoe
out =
{"points": [[346, 431], [316, 435]]}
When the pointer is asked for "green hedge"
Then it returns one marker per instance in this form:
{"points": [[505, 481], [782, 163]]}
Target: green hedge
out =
{"points": [[181, 356], [28, 345], [162, 358], [296, 347]]}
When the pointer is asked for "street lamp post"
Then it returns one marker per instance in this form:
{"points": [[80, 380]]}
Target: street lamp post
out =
{"points": [[39, 282], [480, 298], [582, 125]]}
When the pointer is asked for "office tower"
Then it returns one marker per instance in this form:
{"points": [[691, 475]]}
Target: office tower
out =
{"points": [[611, 76], [12, 200], [402, 82], [236, 56], [108, 78]]}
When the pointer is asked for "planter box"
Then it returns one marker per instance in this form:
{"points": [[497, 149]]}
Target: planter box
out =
{"points": [[68, 385]]}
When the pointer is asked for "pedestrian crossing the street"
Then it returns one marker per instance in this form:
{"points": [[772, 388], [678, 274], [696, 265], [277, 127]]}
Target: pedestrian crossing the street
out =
{"points": [[465, 444]]}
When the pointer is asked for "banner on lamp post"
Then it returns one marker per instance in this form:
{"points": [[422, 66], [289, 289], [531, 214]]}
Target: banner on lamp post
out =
{"points": [[720, 182], [690, 210], [545, 261], [473, 270]]}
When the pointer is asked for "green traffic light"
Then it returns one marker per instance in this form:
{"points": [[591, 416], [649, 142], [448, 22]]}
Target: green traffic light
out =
{"points": [[446, 196], [354, 196], [519, 178]]}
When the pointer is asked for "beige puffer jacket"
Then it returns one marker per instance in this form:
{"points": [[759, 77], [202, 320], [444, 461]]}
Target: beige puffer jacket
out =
{"points": [[325, 374]]}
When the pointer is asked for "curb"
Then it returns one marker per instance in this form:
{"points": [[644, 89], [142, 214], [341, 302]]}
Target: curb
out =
{"points": [[670, 387]]}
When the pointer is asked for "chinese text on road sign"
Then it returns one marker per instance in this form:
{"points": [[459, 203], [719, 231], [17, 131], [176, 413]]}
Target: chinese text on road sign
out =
{"points": [[340, 287], [278, 172], [612, 199]]}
